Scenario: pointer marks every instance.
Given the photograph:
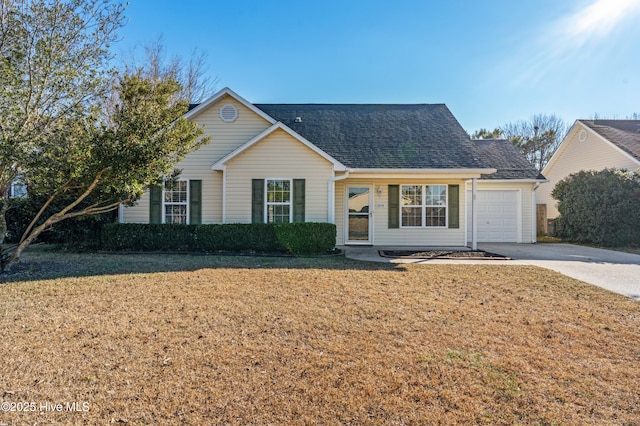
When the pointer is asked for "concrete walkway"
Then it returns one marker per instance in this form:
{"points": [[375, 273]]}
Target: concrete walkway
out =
{"points": [[612, 270]]}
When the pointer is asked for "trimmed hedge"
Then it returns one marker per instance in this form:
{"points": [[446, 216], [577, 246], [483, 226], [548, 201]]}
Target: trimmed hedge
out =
{"points": [[294, 238], [601, 208]]}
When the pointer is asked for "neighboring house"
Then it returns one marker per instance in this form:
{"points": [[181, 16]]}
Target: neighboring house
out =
{"points": [[384, 174], [591, 145]]}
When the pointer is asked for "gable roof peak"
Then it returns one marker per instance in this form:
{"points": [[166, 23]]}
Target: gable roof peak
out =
{"points": [[195, 109], [623, 134]]}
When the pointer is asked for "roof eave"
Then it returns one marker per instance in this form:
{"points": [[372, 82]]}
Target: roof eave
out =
{"points": [[484, 171], [515, 180], [399, 173]]}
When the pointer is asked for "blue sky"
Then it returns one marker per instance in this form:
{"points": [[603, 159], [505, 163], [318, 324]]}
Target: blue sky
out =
{"points": [[491, 61]]}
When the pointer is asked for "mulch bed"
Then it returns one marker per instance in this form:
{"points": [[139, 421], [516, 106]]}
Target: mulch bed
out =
{"points": [[442, 254]]}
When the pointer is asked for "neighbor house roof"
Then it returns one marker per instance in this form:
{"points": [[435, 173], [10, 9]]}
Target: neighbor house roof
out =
{"points": [[625, 134], [421, 136], [502, 155]]}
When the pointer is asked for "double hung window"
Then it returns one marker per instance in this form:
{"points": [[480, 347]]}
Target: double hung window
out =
{"points": [[278, 201], [175, 201], [424, 206]]}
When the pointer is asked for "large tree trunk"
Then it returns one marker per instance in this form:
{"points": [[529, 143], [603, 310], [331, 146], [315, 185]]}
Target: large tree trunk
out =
{"points": [[13, 255]]}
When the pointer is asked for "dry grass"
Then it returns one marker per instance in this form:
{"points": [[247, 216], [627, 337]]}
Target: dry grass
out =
{"points": [[225, 340]]}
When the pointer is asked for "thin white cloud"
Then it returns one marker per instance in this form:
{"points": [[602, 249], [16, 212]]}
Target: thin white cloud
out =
{"points": [[575, 35], [595, 21]]}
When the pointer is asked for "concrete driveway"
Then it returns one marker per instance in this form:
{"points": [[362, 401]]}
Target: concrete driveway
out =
{"points": [[616, 271], [612, 270]]}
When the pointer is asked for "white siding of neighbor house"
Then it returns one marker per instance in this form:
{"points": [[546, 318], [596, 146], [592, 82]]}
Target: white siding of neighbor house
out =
{"points": [[225, 137], [382, 235], [594, 153], [278, 156]]}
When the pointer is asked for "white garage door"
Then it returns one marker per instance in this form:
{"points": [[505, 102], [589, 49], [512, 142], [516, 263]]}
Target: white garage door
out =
{"points": [[497, 213]]}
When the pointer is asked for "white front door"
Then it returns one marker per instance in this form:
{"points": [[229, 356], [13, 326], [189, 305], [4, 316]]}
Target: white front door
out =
{"points": [[359, 224]]}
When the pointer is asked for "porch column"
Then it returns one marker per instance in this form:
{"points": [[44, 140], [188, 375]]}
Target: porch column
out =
{"points": [[474, 225], [224, 194], [331, 193], [331, 200]]}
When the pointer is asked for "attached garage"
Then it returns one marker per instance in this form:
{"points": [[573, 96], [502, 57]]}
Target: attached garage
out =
{"points": [[498, 215]]}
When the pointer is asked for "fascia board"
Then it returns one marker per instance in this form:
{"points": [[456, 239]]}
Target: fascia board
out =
{"points": [[419, 173], [513, 180]]}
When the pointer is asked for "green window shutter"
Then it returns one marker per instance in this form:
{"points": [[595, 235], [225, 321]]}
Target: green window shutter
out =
{"points": [[298, 200], [394, 206], [195, 202], [257, 200], [155, 205], [454, 206]]}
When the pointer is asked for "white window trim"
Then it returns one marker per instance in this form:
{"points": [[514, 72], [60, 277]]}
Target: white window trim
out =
{"points": [[267, 203], [424, 206], [186, 203], [19, 187]]}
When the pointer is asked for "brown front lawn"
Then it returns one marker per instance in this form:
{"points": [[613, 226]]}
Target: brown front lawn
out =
{"points": [[167, 339]]}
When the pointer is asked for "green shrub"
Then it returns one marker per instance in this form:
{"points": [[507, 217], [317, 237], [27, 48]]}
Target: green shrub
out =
{"points": [[295, 238], [600, 208]]}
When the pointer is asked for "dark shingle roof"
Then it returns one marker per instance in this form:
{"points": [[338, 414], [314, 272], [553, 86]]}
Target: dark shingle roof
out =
{"points": [[381, 136], [502, 155], [625, 134]]}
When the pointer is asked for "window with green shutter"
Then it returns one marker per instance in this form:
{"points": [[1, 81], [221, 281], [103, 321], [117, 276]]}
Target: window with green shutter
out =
{"points": [[298, 200], [454, 206], [155, 204], [195, 202], [168, 203], [394, 206], [278, 200], [424, 206], [257, 201]]}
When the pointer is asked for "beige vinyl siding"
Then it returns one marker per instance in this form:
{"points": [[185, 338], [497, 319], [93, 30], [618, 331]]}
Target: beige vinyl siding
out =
{"points": [[382, 235], [594, 153], [278, 156], [527, 214], [225, 138], [138, 213]]}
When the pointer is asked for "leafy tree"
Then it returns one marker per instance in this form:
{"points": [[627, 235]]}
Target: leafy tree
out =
{"points": [[52, 68], [83, 138], [486, 134], [537, 138]]}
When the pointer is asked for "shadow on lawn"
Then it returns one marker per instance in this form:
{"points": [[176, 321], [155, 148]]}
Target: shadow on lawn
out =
{"points": [[45, 263]]}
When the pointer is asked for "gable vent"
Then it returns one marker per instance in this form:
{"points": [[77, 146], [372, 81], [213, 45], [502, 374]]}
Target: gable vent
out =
{"points": [[228, 113], [582, 136]]}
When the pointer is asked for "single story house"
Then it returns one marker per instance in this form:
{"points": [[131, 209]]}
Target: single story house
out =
{"points": [[402, 175], [591, 145]]}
